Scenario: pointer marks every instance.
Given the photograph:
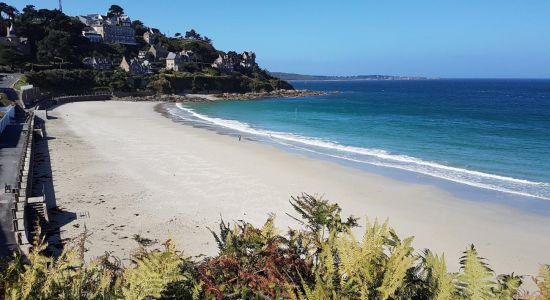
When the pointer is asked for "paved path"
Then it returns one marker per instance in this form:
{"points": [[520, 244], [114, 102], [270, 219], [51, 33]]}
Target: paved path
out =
{"points": [[7, 80], [11, 147]]}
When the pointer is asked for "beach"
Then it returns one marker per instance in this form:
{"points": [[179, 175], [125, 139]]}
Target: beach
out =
{"points": [[124, 169]]}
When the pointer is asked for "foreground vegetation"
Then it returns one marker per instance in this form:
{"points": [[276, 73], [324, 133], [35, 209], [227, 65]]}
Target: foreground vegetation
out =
{"points": [[324, 260], [4, 100]]}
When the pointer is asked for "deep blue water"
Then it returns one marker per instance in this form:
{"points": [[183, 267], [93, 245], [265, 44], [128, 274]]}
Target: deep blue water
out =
{"points": [[492, 134]]}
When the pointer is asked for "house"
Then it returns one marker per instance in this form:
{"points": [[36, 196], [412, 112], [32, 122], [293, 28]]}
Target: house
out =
{"points": [[93, 20], [174, 62], [248, 59], [98, 63], [92, 35], [136, 67], [224, 64], [11, 39], [151, 36], [117, 30], [157, 52], [142, 55], [187, 56]]}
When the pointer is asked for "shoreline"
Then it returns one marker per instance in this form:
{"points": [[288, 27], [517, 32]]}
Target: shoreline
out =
{"points": [[327, 151], [98, 153]]}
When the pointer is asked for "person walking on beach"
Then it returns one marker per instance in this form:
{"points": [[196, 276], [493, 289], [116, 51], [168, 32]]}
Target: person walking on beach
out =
{"points": [[239, 137]]}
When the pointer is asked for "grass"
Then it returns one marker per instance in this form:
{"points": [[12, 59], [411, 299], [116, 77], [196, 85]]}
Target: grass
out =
{"points": [[4, 100], [21, 82]]}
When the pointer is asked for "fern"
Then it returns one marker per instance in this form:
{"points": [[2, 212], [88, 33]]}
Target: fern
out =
{"points": [[543, 282], [440, 283], [476, 280], [399, 262], [325, 261], [153, 272], [507, 286]]}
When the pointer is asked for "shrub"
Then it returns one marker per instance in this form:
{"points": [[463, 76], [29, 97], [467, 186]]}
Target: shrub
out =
{"points": [[4, 100], [322, 261]]}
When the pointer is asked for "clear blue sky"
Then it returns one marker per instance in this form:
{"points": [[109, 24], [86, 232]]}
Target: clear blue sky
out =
{"points": [[466, 38]]}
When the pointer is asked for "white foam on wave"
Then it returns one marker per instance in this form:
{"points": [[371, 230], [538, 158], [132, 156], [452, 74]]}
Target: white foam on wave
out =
{"points": [[383, 158]]}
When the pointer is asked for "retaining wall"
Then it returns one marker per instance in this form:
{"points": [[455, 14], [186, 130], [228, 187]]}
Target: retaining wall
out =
{"points": [[24, 188], [79, 98]]}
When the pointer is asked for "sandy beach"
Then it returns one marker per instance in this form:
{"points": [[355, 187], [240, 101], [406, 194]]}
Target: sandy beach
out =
{"points": [[125, 169]]}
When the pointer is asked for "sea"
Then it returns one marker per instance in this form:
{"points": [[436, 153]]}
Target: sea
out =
{"points": [[489, 138]]}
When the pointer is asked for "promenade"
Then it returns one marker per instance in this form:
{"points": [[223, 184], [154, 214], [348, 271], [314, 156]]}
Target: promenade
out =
{"points": [[11, 147]]}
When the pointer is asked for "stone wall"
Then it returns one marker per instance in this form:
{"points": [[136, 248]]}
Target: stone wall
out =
{"points": [[24, 187], [29, 95], [80, 98]]}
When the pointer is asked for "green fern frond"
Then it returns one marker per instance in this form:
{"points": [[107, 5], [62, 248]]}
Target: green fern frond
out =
{"points": [[439, 282], [476, 280], [543, 282], [152, 274], [399, 262]]}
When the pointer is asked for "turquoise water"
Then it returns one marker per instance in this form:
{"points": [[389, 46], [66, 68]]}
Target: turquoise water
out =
{"points": [[491, 134]]}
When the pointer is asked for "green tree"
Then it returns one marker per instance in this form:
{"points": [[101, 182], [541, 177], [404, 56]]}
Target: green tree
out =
{"points": [[57, 44], [9, 56], [115, 11], [29, 11], [192, 34], [139, 27]]}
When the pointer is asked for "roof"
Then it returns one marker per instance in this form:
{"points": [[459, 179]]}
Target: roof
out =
{"points": [[171, 55]]}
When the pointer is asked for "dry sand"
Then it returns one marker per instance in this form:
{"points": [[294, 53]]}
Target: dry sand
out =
{"points": [[125, 169]]}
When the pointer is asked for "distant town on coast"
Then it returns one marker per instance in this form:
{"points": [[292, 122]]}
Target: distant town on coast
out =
{"points": [[292, 76]]}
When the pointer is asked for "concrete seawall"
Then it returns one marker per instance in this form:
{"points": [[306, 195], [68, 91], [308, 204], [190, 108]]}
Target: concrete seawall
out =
{"points": [[79, 98], [23, 208], [23, 189], [99, 97]]}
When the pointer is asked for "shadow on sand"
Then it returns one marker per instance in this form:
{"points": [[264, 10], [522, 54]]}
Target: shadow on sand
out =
{"points": [[43, 186]]}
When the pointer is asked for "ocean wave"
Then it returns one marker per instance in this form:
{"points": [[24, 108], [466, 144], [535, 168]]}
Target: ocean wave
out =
{"points": [[379, 157]]}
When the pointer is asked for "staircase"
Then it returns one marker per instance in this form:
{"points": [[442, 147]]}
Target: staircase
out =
{"points": [[36, 210]]}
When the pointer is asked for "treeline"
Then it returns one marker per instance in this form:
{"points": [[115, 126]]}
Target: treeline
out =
{"points": [[82, 81], [322, 261]]}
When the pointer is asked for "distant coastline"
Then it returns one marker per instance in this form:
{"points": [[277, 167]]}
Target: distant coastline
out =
{"points": [[297, 77]]}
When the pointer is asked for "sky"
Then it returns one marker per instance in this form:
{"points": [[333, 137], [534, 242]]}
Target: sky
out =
{"points": [[434, 38]]}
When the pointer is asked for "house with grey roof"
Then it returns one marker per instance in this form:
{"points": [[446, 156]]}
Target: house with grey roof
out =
{"points": [[117, 30], [224, 64], [151, 36], [136, 67], [174, 62], [157, 52]]}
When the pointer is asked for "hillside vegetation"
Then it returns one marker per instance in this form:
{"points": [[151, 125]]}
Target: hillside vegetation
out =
{"points": [[324, 260], [56, 48]]}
